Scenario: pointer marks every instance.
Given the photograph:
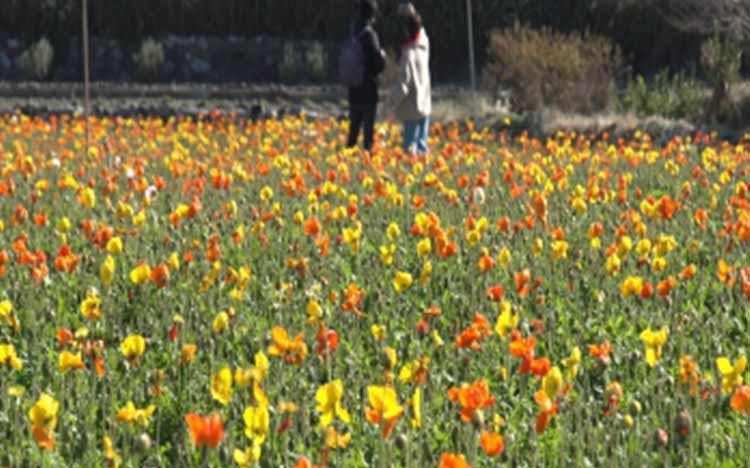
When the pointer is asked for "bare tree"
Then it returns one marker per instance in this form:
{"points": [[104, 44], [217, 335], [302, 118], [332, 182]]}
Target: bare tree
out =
{"points": [[729, 18]]}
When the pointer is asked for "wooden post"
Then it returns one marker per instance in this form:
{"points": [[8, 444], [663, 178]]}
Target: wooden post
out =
{"points": [[86, 78], [472, 64]]}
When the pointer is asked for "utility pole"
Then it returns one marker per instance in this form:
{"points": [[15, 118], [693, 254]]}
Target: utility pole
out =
{"points": [[86, 78], [472, 65]]}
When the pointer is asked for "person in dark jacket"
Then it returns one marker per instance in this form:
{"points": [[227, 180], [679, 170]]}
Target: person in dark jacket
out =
{"points": [[363, 99]]}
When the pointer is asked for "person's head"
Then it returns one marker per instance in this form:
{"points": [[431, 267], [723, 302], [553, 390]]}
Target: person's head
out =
{"points": [[366, 10], [411, 22]]}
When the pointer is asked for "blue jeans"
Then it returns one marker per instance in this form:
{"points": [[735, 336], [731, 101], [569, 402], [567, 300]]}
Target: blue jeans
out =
{"points": [[415, 135]]}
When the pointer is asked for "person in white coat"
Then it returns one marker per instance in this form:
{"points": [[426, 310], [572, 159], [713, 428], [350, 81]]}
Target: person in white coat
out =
{"points": [[412, 95]]}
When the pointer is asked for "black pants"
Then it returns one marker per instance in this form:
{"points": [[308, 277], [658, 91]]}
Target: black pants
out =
{"points": [[361, 118]]}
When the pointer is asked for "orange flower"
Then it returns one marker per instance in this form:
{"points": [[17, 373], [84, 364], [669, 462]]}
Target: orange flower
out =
{"points": [[451, 460], [328, 340], [741, 400], [475, 333], [495, 293], [472, 398], [601, 352], [292, 351], [66, 261], [312, 227], [205, 431], [492, 443], [665, 286], [547, 409], [160, 275], [486, 263], [688, 272], [353, 299]]}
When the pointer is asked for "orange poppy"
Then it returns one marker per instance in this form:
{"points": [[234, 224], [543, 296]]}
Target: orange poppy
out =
{"points": [[492, 443], [205, 431]]}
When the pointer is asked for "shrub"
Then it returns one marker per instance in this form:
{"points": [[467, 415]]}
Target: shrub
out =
{"points": [[721, 59], [36, 61], [317, 62], [680, 96], [288, 64], [545, 68], [149, 60]]}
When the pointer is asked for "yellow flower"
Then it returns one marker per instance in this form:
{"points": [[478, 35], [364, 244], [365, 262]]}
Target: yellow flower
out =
{"points": [[248, 457], [402, 281], [257, 422], [140, 274], [386, 254], [504, 257], [174, 261], [107, 271], [437, 340], [473, 237], [731, 375], [424, 247], [8, 356], [613, 264], [624, 246], [88, 197], [68, 361], [131, 415], [221, 322], [572, 362], [44, 412], [632, 286], [416, 408], [110, 454], [378, 331], [384, 407], [552, 382], [63, 225], [266, 193], [426, 273], [579, 205], [643, 247], [334, 440], [91, 306], [114, 245], [507, 320], [221, 386], [654, 340], [390, 354], [393, 232], [559, 250], [314, 311], [187, 355], [133, 347], [329, 405], [659, 264], [538, 247]]}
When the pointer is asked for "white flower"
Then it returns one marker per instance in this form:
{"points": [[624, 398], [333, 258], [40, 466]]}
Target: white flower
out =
{"points": [[478, 195]]}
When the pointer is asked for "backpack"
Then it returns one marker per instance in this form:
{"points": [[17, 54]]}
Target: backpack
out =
{"points": [[352, 62]]}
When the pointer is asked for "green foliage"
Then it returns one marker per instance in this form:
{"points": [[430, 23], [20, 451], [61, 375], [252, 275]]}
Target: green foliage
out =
{"points": [[545, 68], [721, 59], [288, 65], [149, 60], [679, 96], [316, 59], [36, 61]]}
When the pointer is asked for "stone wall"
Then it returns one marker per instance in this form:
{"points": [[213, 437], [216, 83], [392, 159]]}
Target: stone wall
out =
{"points": [[198, 59]]}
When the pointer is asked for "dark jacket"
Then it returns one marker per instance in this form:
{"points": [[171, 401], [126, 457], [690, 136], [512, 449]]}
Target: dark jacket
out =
{"points": [[366, 95]]}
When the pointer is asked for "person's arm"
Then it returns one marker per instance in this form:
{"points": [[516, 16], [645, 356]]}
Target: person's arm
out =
{"points": [[404, 83], [373, 53]]}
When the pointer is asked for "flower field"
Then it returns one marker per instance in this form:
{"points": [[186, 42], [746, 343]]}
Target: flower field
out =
{"points": [[215, 293]]}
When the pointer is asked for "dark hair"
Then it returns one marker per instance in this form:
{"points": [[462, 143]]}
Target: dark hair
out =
{"points": [[412, 22], [368, 10]]}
